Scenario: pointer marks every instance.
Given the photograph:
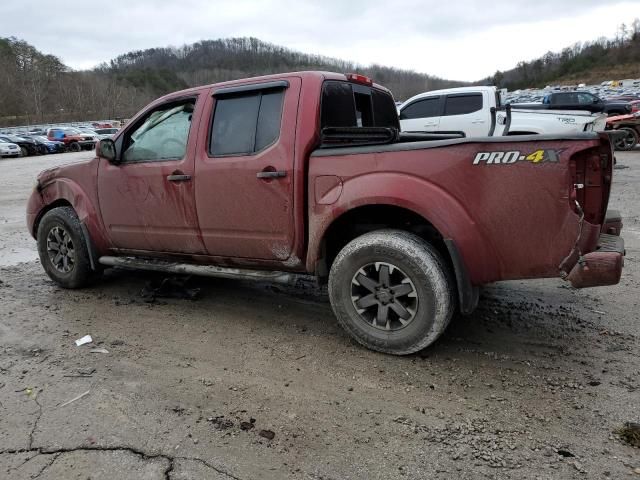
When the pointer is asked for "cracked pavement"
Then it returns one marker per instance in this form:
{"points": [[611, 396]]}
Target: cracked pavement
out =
{"points": [[531, 386]]}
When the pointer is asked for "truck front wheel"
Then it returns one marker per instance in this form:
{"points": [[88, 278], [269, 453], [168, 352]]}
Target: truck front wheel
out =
{"points": [[62, 248], [75, 147], [391, 291]]}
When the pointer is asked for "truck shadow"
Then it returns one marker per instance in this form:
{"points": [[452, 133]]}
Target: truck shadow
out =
{"points": [[511, 319]]}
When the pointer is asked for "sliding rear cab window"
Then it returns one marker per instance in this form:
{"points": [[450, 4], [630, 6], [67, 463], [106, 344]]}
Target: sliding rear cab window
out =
{"points": [[346, 104]]}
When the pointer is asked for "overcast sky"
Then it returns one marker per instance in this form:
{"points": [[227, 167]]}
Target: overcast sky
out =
{"points": [[459, 39]]}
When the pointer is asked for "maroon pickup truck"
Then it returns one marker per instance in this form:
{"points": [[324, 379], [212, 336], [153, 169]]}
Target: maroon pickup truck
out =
{"points": [[307, 173]]}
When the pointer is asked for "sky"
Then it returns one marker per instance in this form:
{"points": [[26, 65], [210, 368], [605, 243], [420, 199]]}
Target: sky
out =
{"points": [[459, 40]]}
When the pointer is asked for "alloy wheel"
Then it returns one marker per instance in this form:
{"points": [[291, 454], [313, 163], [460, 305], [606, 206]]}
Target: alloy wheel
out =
{"points": [[384, 296], [61, 250]]}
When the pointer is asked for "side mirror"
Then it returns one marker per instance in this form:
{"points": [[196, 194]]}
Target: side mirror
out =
{"points": [[106, 148]]}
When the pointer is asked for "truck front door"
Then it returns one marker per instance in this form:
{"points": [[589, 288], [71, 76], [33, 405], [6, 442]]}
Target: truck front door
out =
{"points": [[147, 198], [244, 170], [423, 115]]}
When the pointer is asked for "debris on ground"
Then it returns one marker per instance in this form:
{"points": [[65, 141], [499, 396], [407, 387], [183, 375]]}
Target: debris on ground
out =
{"points": [[75, 398], [247, 425], [84, 340], [82, 373], [630, 433], [169, 287], [99, 350], [220, 423], [268, 434]]}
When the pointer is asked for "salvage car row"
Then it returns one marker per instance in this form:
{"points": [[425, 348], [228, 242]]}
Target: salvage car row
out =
{"points": [[52, 140]]}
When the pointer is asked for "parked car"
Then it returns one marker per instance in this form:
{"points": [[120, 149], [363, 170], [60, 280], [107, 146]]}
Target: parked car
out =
{"points": [[468, 111], [623, 98], [49, 146], [628, 130], [73, 138], [27, 145], [306, 173], [106, 132], [8, 149], [580, 100]]}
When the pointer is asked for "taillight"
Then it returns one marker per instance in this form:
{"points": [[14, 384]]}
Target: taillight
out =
{"points": [[591, 173], [357, 78]]}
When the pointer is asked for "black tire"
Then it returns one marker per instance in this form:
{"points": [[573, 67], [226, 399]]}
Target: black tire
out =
{"points": [[55, 221], [43, 150], [418, 264], [75, 147], [628, 141], [23, 151]]}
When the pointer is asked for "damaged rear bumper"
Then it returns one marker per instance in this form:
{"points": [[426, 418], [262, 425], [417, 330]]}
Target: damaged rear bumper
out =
{"points": [[601, 267]]}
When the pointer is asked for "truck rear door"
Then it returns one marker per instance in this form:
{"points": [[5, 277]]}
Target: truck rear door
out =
{"points": [[244, 170]]}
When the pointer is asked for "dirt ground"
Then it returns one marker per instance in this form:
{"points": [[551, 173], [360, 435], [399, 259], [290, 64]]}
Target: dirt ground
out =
{"points": [[251, 381]]}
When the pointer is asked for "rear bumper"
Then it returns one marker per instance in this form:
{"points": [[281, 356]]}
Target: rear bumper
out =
{"points": [[600, 267], [612, 223]]}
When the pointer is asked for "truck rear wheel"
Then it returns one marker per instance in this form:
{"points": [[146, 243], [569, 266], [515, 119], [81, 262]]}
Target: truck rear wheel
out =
{"points": [[62, 248], [75, 147], [391, 291]]}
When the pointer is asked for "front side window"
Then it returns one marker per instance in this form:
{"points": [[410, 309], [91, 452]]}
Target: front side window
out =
{"points": [[246, 123], [462, 104], [424, 108], [585, 98], [162, 135]]}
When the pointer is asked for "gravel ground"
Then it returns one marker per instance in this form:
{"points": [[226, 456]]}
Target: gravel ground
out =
{"points": [[251, 381]]}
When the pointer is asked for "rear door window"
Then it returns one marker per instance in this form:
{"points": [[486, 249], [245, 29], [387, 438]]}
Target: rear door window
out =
{"points": [[246, 123], [462, 104], [423, 108]]}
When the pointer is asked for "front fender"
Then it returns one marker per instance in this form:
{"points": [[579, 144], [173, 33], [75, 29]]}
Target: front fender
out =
{"points": [[431, 202], [68, 191]]}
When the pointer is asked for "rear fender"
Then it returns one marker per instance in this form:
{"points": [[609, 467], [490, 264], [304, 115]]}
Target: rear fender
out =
{"points": [[447, 215]]}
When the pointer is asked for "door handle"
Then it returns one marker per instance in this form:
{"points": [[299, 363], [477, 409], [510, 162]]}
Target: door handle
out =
{"points": [[272, 174], [174, 177], [477, 121]]}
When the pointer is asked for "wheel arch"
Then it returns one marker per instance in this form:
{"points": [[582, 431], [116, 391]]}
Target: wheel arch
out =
{"points": [[375, 216], [65, 192], [61, 202]]}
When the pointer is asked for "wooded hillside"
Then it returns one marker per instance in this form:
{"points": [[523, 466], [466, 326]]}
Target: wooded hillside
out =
{"points": [[591, 62], [37, 88]]}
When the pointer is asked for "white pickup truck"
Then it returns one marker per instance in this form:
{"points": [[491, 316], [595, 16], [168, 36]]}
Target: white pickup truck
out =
{"points": [[478, 112]]}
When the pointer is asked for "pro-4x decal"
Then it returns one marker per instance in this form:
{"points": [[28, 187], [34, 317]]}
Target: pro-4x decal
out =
{"points": [[508, 158]]}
